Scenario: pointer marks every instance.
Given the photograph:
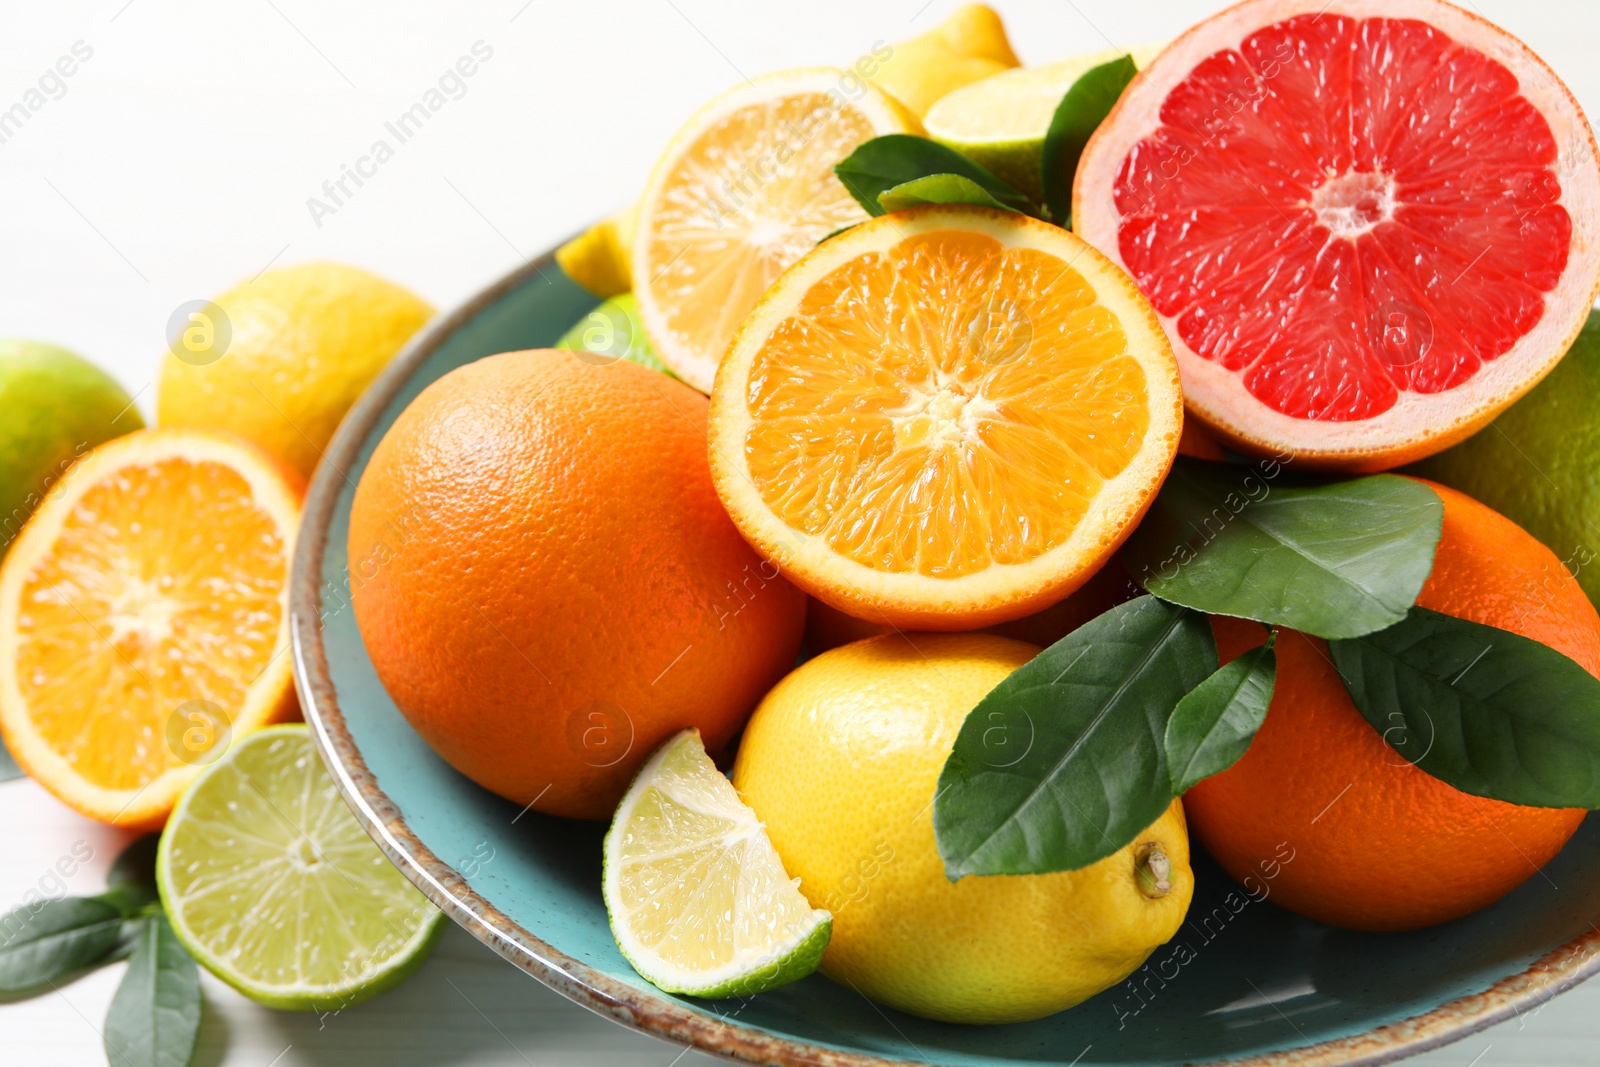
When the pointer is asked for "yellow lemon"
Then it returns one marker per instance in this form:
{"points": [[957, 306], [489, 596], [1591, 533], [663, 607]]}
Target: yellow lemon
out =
{"points": [[969, 45], [280, 359], [597, 258], [840, 762]]}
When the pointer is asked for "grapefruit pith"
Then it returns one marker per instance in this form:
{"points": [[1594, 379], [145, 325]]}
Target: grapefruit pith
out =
{"points": [[1367, 226]]}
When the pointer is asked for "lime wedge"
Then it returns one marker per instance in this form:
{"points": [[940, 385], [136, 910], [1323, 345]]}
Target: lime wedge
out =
{"points": [[271, 883], [1001, 120], [698, 898]]}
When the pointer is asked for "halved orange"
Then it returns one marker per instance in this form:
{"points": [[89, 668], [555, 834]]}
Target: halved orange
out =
{"points": [[144, 619], [746, 188], [946, 418]]}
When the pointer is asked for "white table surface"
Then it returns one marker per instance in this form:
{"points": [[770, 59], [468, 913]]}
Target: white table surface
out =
{"points": [[179, 161]]}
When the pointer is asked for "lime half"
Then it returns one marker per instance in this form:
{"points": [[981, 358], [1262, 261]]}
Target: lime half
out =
{"points": [[271, 883], [1001, 121], [698, 898]]}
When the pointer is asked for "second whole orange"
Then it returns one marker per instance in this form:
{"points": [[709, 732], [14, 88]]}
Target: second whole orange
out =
{"points": [[1375, 843], [547, 585]]}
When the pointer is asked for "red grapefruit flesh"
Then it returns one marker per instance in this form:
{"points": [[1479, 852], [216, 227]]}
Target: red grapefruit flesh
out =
{"points": [[1368, 226]]}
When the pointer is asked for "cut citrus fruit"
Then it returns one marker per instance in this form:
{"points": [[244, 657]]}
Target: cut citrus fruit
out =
{"points": [[144, 619], [272, 884], [699, 901], [1368, 226], [945, 418], [745, 189], [1001, 120], [969, 45]]}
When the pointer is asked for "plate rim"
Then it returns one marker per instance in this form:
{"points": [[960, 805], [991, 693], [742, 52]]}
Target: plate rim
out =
{"points": [[654, 1013]]}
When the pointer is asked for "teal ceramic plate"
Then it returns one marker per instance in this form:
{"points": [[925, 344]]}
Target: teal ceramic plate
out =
{"points": [[1244, 981]]}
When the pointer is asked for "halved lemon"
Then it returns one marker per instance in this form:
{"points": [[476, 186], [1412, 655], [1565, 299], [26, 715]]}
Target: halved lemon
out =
{"points": [[745, 189], [144, 619], [946, 418]]}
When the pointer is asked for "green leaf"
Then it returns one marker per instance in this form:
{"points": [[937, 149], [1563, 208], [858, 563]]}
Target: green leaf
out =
{"points": [[937, 189], [1490, 712], [1214, 725], [1338, 560], [154, 1017], [8, 766], [42, 941], [835, 233], [882, 163], [1083, 108], [1063, 762], [131, 882]]}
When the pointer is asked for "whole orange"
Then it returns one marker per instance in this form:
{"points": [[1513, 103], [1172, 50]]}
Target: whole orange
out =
{"points": [[1375, 843], [547, 585]]}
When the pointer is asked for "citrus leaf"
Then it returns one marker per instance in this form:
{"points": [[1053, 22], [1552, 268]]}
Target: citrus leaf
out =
{"points": [[937, 189], [878, 165], [1063, 762], [8, 766], [1488, 711], [154, 1017], [131, 882], [42, 941], [1337, 560], [1214, 725], [1082, 109]]}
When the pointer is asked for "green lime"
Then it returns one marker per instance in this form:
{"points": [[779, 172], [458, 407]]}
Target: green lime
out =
{"points": [[1001, 120], [58, 406], [273, 885], [1537, 462], [612, 331], [698, 898]]}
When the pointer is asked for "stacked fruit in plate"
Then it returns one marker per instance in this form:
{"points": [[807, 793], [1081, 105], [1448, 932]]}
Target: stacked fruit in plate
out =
{"points": [[953, 350]]}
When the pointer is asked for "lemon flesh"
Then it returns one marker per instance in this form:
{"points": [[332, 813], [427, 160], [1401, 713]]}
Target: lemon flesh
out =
{"points": [[698, 899], [273, 885], [1001, 121]]}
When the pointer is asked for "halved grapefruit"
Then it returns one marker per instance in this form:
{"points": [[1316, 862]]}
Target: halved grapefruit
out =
{"points": [[1368, 226]]}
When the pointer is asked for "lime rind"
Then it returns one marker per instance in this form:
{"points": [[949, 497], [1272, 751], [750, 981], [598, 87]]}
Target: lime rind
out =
{"points": [[697, 897], [238, 872]]}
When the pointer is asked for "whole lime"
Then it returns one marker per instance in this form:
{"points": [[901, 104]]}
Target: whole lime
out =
{"points": [[58, 406], [1537, 464]]}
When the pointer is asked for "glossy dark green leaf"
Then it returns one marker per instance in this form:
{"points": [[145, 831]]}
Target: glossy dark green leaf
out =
{"points": [[1063, 763], [937, 189], [1214, 725], [1082, 109], [43, 940], [1490, 712], [154, 1017], [882, 163], [1337, 560]]}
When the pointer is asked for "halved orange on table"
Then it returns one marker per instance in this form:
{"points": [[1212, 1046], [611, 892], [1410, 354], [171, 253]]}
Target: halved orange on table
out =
{"points": [[945, 418], [144, 619]]}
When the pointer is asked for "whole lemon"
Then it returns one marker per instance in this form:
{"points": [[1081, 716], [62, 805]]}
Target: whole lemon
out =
{"points": [[841, 761], [280, 359]]}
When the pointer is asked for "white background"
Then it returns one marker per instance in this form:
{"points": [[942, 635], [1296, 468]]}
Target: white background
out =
{"points": [[179, 162]]}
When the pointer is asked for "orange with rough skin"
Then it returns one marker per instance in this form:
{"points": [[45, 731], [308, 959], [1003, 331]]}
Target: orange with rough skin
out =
{"points": [[1377, 843], [547, 585]]}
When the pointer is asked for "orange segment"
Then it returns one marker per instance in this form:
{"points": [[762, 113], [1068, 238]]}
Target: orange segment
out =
{"points": [[745, 189], [948, 417], [143, 619]]}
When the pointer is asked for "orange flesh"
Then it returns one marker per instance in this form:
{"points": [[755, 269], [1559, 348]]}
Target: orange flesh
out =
{"points": [[116, 623], [755, 193], [944, 405]]}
